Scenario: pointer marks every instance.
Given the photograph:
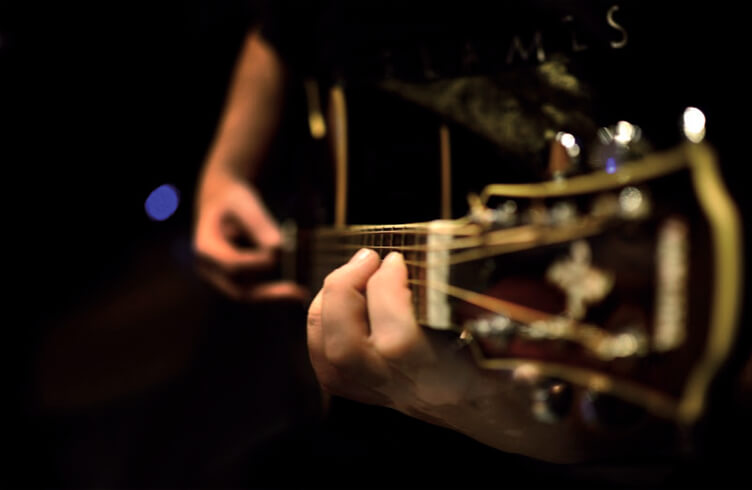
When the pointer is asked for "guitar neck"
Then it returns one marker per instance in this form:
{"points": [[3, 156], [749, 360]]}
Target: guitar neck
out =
{"points": [[420, 244], [332, 247], [600, 280]]}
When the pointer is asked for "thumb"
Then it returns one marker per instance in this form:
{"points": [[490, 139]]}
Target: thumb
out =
{"points": [[257, 221]]}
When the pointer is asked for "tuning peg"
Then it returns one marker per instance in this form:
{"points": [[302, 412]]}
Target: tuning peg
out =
{"points": [[693, 124], [552, 400], [496, 329], [503, 216], [616, 144], [563, 155], [479, 213]]}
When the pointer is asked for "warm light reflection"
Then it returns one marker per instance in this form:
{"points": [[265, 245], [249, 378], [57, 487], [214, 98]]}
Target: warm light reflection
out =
{"points": [[162, 202], [694, 124], [630, 199], [569, 143], [566, 139], [625, 132]]}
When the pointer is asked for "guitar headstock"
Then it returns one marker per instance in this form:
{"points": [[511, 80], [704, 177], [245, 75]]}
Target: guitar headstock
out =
{"points": [[624, 281]]}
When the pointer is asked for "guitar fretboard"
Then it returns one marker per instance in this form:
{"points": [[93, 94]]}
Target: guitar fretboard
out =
{"points": [[333, 247]]}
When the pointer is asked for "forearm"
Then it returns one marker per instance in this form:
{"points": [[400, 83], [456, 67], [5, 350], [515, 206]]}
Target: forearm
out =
{"points": [[252, 112], [494, 409]]}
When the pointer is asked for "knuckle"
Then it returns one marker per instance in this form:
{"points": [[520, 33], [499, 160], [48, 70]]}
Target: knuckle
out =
{"points": [[338, 285], [314, 318], [333, 282], [395, 346], [339, 353]]}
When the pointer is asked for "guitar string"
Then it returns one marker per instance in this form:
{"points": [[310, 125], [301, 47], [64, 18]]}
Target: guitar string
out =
{"points": [[498, 242], [588, 335], [459, 229], [514, 311]]}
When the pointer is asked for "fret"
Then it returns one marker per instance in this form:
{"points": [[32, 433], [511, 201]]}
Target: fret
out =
{"points": [[333, 248], [420, 256], [412, 269], [388, 239], [398, 240]]}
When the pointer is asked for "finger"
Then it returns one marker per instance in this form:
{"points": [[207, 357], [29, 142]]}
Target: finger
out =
{"points": [[225, 256], [252, 293], [344, 318], [358, 383], [394, 332], [277, 291], [213, 245], [325, 372], [258, 222]]}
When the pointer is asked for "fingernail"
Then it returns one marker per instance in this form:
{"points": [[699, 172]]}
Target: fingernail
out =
{"points": [[394, 258], [360, 256]]}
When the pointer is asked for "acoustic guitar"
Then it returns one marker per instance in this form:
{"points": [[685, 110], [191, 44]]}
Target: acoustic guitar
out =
{"points": [[623, 281]]}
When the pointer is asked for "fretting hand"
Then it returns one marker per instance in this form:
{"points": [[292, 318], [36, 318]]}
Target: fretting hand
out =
{"points": [[365, 344]]}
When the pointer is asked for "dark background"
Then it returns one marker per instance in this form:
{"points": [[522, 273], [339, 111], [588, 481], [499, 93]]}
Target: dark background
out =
{"points": [[127, 369]]}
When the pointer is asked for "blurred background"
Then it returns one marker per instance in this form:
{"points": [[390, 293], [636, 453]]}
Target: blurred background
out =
{"points": [[129, 370]]}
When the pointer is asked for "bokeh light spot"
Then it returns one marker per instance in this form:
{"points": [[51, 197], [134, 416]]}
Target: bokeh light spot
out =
{"points": [[694, 124], [162, 202], [611, 165]]}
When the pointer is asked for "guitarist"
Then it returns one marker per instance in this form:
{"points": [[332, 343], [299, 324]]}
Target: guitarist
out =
{"points": [[364, 343]]}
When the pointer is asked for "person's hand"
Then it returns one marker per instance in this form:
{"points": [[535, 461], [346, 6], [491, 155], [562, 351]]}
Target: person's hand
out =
{"points": [[365, 344], [237, 241]]}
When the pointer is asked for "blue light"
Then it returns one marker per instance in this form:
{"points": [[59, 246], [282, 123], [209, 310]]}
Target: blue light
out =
{"points": [[162, 202], [611, 165]]}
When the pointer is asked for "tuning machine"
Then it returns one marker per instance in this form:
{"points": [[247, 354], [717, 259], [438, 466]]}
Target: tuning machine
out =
{"points": [[693, 124], [498, 328], [616, 144], [504, 215], [563, 155], [552, 400]]}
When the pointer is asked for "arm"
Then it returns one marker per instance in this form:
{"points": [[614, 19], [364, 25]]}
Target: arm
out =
{"points": [[228, 207]]}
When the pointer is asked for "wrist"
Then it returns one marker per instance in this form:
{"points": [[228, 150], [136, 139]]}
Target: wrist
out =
{"points": [[216, 178]]}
